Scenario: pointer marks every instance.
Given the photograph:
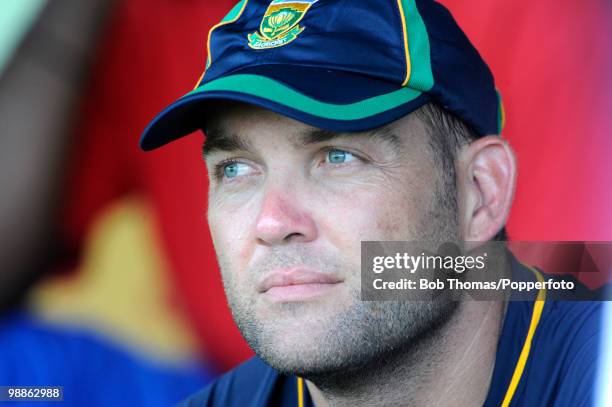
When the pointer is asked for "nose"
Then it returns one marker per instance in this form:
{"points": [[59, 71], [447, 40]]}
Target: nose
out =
{"points": [[283, 219]]}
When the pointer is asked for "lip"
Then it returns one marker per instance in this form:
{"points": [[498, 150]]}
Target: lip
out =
{"points": [[296, 284]]}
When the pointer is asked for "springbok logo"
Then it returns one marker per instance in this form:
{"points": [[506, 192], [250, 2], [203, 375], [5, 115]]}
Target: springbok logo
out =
{"points": [[280, 24]]}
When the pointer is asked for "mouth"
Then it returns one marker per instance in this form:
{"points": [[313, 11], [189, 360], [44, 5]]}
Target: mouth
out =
{"points": [[297, 284]]}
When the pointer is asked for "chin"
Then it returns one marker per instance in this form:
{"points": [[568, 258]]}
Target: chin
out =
{"points": [[294, 344], [305, 359]]}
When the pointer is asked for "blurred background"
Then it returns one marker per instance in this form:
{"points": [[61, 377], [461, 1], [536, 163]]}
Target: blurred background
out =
{"points": [[109, 284]]}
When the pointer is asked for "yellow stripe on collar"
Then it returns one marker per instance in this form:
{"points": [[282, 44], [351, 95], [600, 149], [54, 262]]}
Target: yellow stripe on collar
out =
{"points": [[300, 391], [538, 306]]}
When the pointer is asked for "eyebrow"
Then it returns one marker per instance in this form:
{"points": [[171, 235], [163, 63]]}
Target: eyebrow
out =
{"points": [[218, 140], [382, 134]]}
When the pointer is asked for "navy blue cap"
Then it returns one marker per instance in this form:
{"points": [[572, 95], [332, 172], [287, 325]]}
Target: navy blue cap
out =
{"points": [[343, 66]]}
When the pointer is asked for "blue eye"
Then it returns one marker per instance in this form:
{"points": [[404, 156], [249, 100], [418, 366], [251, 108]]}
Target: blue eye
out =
{"points": [[339, 156], [232, 170]]}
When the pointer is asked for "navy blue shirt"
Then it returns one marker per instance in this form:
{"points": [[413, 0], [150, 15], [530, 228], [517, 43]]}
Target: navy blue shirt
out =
{"points": [[546, 356]]}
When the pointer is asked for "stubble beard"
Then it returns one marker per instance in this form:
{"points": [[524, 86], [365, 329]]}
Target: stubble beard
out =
{"points": [[334, 347]]}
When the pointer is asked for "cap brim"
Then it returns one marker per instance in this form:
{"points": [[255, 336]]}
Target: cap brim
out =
{"points": [[376, 104]]}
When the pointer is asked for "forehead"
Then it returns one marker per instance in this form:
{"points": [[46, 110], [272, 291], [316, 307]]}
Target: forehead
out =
{"points": [[239, 117], [233, 125]]}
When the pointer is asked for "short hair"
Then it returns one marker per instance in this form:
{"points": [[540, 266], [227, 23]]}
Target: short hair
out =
{"points": [[448, 133]]}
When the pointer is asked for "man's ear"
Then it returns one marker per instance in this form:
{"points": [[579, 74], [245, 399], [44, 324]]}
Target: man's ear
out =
{"points": [[486, 179]]}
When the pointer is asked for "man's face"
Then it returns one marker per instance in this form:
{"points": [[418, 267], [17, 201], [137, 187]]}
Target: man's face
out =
{"points": [[289, 205]]}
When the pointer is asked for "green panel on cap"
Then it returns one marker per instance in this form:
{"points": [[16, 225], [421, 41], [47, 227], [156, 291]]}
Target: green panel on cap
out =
{"points": [[233, 13], [266, 88], [421, 76], [501, 115]]}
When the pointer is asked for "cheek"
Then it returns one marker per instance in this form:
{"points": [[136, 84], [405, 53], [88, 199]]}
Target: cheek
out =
{"points": [[231, 236], [374, 214]]}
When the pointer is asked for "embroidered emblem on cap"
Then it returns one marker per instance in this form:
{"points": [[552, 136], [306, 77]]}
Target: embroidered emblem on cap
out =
{"points": [[280, 24]]}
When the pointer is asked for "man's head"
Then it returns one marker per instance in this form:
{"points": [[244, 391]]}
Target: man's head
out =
{"points": [[290, 204], [376, 120]]}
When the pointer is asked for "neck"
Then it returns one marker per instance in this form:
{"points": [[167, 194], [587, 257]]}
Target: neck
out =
{"points": [[452, 366]]}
